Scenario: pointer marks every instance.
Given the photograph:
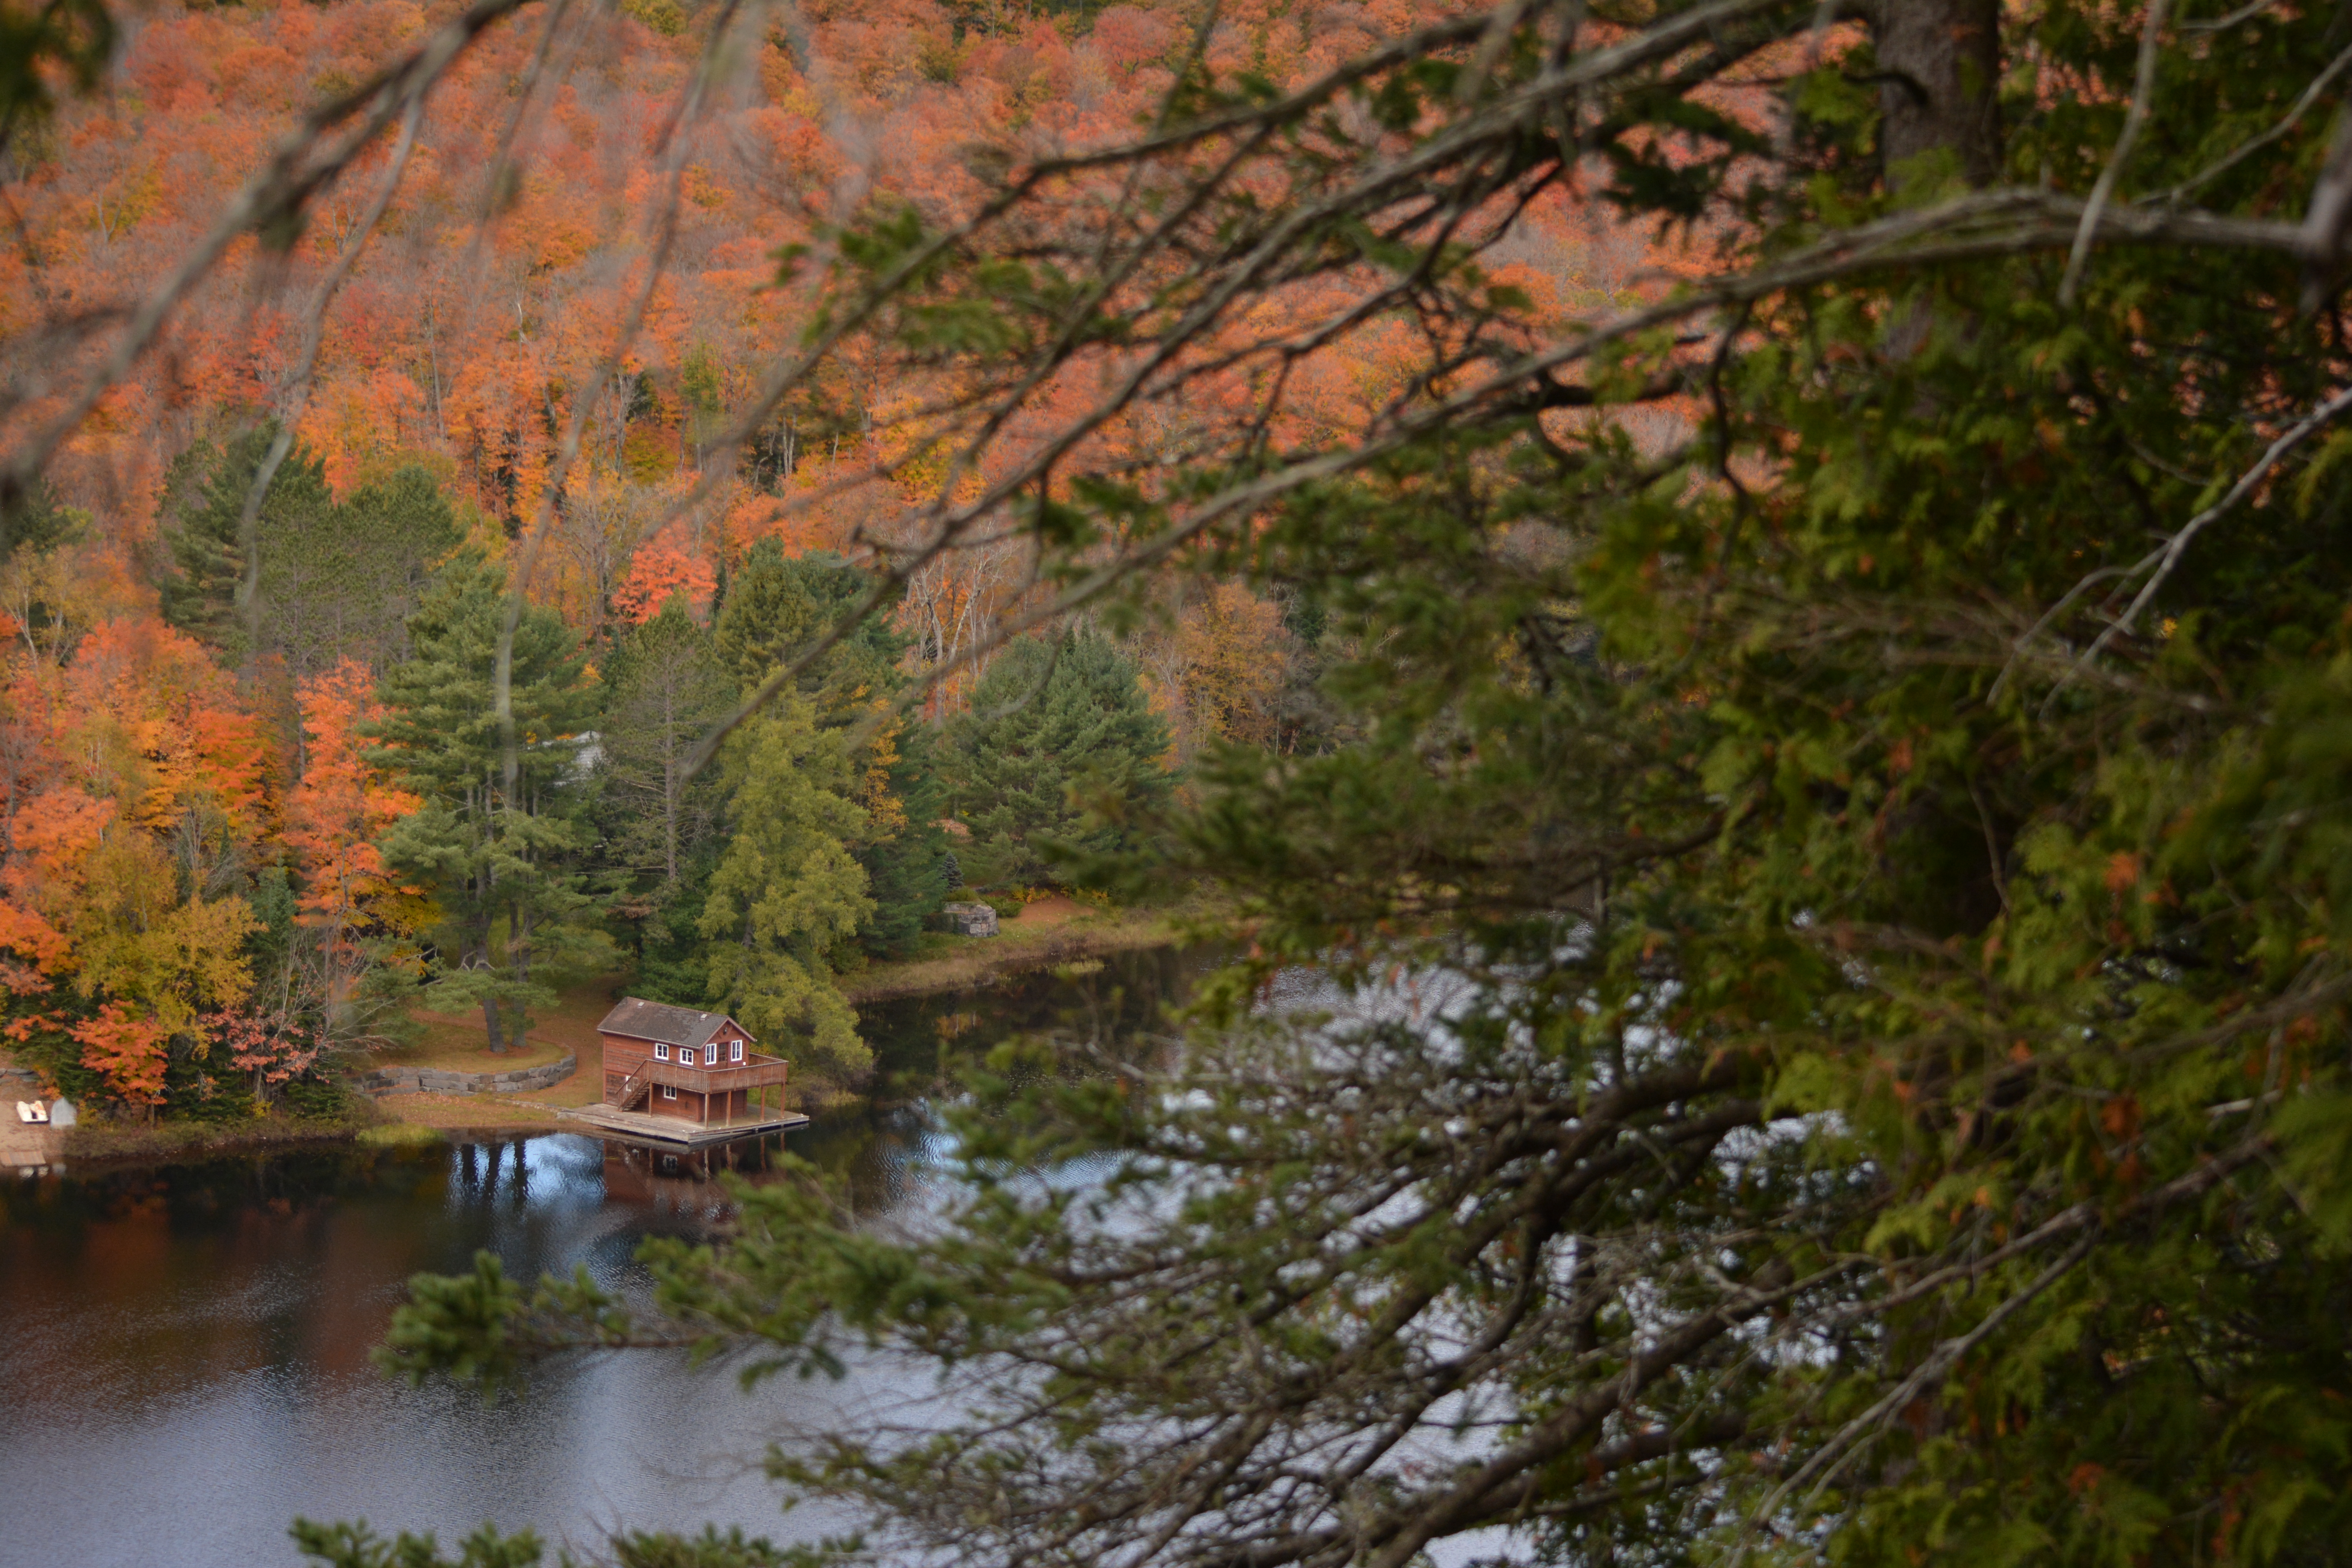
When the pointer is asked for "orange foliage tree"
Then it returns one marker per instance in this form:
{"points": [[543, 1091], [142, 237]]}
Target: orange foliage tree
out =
{"points": [[137, 787], [664, 568], [334, 819]]}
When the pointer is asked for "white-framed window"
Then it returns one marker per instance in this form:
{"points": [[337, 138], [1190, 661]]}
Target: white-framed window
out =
{"points": [[710, 1054], [735, 1051], [661, 1053], [669, 1092]]}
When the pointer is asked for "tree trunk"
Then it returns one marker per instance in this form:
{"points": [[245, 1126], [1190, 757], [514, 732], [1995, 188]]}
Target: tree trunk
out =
{"points": [[670, 760], [518, 961], [669, 820], [478, 956], [1941, 60]]}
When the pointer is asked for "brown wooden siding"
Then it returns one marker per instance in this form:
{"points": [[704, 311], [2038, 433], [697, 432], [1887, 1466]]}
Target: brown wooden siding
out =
{"points": [[705, 1094]]}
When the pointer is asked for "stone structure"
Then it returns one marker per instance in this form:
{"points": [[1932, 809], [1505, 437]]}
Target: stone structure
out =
{"points": [[971, 919], [438, 1080]]}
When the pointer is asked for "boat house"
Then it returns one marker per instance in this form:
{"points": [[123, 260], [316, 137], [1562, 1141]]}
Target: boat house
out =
{"points": [[696, 1066]]}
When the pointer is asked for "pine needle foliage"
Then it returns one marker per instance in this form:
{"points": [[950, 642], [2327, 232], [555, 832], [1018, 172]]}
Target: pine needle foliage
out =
{"points": [[497, 847], [1059, 751]]}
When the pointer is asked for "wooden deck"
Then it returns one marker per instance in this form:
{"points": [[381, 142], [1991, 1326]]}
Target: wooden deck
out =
{"points": [[676, 1130], [29, 1149]]}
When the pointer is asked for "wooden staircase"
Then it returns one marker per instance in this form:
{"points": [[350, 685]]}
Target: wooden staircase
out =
{"points": [[638, 1085]]}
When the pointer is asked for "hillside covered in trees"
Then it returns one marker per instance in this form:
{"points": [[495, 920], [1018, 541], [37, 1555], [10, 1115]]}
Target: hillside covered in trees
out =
{"points": [[258, 793]]}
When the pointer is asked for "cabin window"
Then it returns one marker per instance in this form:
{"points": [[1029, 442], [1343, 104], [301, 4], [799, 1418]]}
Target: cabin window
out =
{"points": [[710, 1054], [735, 1050], [661, 1053], [669, 1092]]}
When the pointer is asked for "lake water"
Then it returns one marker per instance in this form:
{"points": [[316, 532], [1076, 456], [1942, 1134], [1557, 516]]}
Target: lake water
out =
{"points": [[184, 1349]]}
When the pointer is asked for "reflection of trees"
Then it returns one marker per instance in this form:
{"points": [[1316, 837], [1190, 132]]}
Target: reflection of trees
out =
{"points": [[159, 1279], [1117, 1005], [479, 1166]]}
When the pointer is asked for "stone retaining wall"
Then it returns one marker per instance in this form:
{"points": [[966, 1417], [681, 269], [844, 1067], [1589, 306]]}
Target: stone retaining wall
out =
{"points": [[435, 1080], [971, 919]]}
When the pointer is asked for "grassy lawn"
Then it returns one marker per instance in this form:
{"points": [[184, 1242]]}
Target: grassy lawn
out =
{"points": [[466, 1113], [457, 1042], [585, 1087]]}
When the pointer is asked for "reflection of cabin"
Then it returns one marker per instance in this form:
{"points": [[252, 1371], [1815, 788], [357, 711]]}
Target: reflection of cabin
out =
{"points": [[674, 1061], [683, 1180]]}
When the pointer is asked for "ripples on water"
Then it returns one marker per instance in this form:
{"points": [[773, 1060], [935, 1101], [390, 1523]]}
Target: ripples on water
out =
{"points": [[184, 1349]]}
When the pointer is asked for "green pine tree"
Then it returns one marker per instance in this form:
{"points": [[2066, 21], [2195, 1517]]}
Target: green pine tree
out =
{"points": [[904, 849], [776, 606], [344, 587], [786, 897], [497, 842], [1059, 755], [337, 580], [205, 495], [661, 831], [665, 688], [37, 522]]}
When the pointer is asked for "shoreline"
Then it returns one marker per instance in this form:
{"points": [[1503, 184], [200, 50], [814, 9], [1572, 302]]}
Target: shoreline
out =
{"points": [[166, 1142], [99, 1146], [456, 1117], [1016, 951]]}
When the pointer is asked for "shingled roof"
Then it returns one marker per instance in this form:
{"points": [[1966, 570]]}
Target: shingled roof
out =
{"points": [[659, 1021]]}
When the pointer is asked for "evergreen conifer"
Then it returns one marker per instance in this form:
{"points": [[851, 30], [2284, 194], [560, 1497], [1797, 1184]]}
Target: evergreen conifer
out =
{"points": [[497, 839], [1059, 755], [786, 897], [338, 580], [205, 494], [778, 604], [665, 688]]}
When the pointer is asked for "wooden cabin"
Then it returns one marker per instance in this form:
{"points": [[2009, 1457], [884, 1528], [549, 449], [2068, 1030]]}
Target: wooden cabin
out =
{"points": [[698, 1067]]}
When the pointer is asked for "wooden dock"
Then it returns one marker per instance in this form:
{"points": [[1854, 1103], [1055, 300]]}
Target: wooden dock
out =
{"points": [[30, 1150], [676, 1131]]}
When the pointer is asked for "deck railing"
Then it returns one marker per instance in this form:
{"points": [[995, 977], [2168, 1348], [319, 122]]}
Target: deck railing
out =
{"points": [[754, 1072]]}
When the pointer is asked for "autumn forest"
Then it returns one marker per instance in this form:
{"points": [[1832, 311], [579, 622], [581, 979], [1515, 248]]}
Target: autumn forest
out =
{"points": [[226, 853]]}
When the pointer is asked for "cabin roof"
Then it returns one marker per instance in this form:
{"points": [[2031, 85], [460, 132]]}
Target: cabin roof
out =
{"points": [[641, 1020]]}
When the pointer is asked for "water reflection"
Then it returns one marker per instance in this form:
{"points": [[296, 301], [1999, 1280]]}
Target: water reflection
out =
{"points": [[186, 1348]]}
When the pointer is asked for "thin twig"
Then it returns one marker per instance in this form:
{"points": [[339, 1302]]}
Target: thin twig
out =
{"points": [[2222, 23], [2143, 88], [2168, 556], [2311, 95], [1830, 1460]]}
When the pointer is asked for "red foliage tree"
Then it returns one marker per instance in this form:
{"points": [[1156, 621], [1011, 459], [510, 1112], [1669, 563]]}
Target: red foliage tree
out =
{"points": [[127, 1051], [662, 568]]}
